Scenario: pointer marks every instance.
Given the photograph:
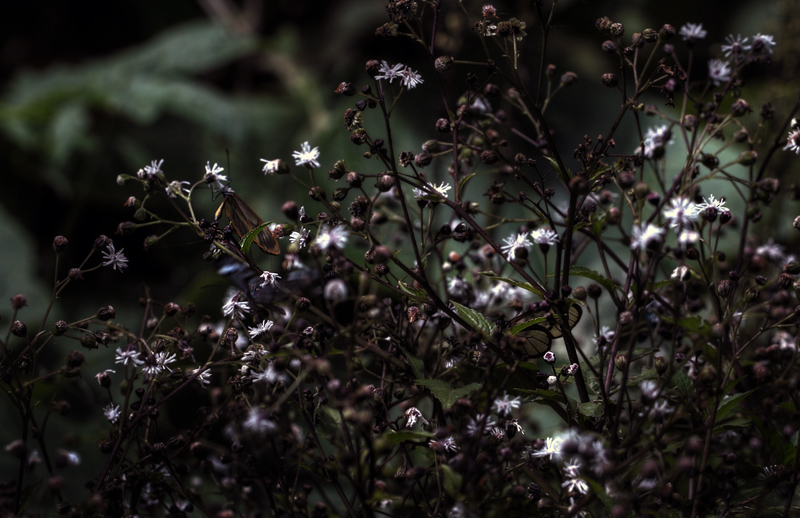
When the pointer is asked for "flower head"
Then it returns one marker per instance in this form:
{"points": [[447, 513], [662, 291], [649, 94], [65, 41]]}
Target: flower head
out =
{"points": [[300, 237], [504, 406], [306, 156], [128, 357], [271, 166], [736, 46], [235, 308], [410, 78], [681, 213], [763, 43], [440, 190], [115, 258], [112, 412], [793, 141], [719, 71], [268, 278], [261, 328], [644, 236], [692, 31], [150, 171], [332, 237], [513, 242], [655, 139], [212, 173], [390, 73], [544, 236], [413, 415]]}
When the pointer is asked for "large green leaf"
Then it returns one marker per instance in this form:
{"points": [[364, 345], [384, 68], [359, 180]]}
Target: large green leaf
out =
{"points": [[445, 392], [474, 319]]}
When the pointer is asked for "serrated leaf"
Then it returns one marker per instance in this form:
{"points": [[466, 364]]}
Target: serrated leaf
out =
{"points": [[476, 320], [518, 284], [406, 435], [729, 403], [591, 408], [415, 293], [445, 392], [580, 271], [683, 383]]}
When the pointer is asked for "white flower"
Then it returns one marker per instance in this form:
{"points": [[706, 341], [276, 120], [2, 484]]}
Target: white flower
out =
{"points": [[261, 328], [390, 73], [331, 237], [481, 422], [551, 448], [112, 412], [257, 422], [268, 278], [441, 190], [306, 156], [712, 202], [412, 415], [513, 242], [202, 378], [763, 43], [149, 171], [544, 236], [100, 376], [736, 46], [115, 259], [643, 236], [552, 380], [681, 213], [576, 485], [688, 237], [212, 173], [649, 389], [603, 338], [70, 457], [235, 308], [271, 166], [655, 138], [271, 375], [446, 444], [681, 273], [504, 406], [692, 31], [772, 250], [793, 141], [300, 237], [128, 357], [175, 188], [660, 409], [410, 78], [719, 71], [164, 358]]}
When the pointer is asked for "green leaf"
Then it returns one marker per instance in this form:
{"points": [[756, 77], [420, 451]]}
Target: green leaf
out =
{"points": [[729, 403], [524, 325], [248, 238], [683, 383], [406, 435], [417, 365], [474, 319], [445, 392], [464, 181], [418, 294], [580, 271], [452, 480], [591, 408]]}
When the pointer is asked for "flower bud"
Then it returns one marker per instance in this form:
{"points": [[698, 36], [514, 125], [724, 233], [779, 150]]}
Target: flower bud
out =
{"points": [[443, 63], [610, 80], [18, 328], [59, 243], [106, 313]]}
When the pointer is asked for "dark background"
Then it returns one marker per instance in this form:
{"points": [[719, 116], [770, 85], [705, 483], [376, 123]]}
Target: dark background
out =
{"points": [[91, 90]]}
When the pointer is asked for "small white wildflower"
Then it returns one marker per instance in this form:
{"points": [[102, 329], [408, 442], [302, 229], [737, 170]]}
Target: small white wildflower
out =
{"points": [[112, 412], [271, 166], [688, 237], [549, 357], [552, 380], [544, 236], [649, 389], [481, 422], [793, 141], [576, 486], [763, 43], [257, 423], [261, 328], [128, 357], [306, 156], [681, 212], [441, 189], [513, 242], [203, 378], [100, 376], [660, 409], [410, 78], [719, 71], [271, 375], [654, 139], [300, 237], [504, 406], [681, 273], [269, 278], [115, 258], [446, 444], [604, 337], [772, 250], [413, 415], [572, 468], [176, 188], [235, 308], [212, 173], [69, 457], [643, 236], [551, 448], [736, 47], [390, 73], [331, 237], [692, 31], [164, 358], [149, 171]]}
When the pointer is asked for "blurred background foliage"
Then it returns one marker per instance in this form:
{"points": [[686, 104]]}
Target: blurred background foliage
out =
{"points": [[94, 89]]}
